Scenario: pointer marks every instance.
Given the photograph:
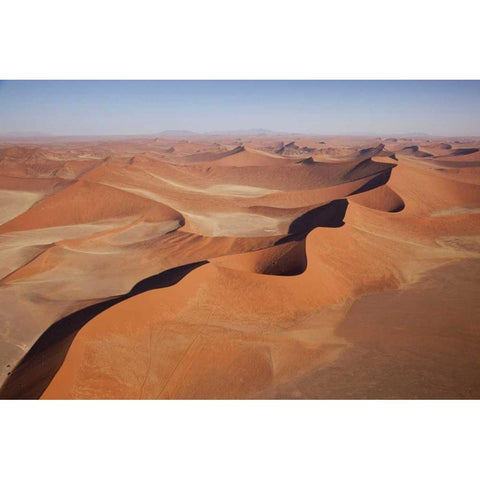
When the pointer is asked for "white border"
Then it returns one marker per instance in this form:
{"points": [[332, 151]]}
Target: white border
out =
{"points": [[225, 40], [240, 440], [217, 39]]}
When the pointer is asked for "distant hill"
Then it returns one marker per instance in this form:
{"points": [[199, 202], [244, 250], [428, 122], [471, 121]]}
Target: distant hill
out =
{"points": [[176, 133], [250, 131]]}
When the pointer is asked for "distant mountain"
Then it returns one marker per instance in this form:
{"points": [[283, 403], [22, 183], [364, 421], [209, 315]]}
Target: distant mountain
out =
{"points": [[176, 133], [263, 131], [250, 131]]}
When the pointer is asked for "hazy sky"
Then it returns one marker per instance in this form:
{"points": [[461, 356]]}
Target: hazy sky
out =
{"points": [[323, 107]]}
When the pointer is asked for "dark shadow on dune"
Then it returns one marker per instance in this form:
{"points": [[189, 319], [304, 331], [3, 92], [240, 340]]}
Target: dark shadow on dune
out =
{"points": [[415, 150], [292, 272], [398, 209], [306, 161], [375, 182], [378, 181], [211, 156], [329, 216], [326, 216], [371, 151], [36, 370], [463, 151]]}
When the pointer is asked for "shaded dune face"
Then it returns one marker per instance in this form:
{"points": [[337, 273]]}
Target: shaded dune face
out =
{"points": [[192, 270], [383, 198]]}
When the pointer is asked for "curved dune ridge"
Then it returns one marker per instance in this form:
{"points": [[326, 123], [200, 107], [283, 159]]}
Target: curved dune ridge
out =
{"points": [[171, 268]]}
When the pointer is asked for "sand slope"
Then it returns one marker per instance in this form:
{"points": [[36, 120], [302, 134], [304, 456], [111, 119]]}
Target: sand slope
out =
{"points": [[172, 269]]}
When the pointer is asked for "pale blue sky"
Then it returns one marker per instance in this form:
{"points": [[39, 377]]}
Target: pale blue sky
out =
{"points": [[321, 107]]}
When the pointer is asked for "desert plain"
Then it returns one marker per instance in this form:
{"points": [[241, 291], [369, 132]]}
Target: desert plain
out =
{"points": [[240, 267]]}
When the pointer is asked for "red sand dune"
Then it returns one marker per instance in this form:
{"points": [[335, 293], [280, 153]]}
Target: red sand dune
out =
{"points": [[171, 268]]}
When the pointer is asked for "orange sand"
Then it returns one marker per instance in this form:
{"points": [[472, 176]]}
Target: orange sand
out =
{"points": [[302, 242]]}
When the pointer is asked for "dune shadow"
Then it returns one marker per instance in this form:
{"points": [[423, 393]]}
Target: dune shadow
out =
{"points": [[378, 181], [375, 182], [36, 370], [329, 216], [463, 151]]}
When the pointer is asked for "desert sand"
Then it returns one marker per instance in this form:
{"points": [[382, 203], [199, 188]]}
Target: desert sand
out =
{"points": [[226, 267]]}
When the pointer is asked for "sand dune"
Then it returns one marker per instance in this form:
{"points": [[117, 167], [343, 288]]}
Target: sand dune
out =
{"points": [[12, 203], [165, 268], [382, 198]]}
